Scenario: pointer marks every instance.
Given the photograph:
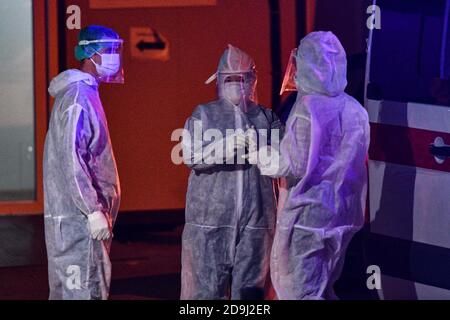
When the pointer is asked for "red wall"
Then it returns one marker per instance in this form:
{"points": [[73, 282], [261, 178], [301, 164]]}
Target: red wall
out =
{"points": [[158, 96]]}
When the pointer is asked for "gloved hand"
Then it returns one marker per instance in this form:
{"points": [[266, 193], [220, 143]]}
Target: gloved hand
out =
{"points": [[266, 158], [233, 143], [236, 141], [229, 145], [252, 146], [99, 226]]}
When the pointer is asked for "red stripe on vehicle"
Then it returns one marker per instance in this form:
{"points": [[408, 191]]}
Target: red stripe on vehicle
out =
{"points": [[405, 146]]}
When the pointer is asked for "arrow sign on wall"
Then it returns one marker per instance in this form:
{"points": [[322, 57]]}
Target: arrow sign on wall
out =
{"points": [[142, 45], [148, 44]]}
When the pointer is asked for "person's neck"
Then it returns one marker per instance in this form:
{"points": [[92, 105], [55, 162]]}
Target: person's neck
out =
{"points": [[89, 68]]}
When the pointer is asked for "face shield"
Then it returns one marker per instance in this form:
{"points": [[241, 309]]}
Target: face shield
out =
{"points": [[236, 78], [110, 68], [237, 88], [290, 75]]}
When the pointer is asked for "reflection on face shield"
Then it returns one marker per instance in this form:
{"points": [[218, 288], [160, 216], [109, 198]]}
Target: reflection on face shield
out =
{"points": [[234, 89], [290, 81], [110, 68], [236, 66], [238, 88], [235, 78]]}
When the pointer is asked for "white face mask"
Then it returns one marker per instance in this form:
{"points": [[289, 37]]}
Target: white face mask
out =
{"points": [[233, 92], [110, 64]]}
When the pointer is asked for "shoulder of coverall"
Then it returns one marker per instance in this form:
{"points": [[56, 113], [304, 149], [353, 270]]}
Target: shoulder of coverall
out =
{"points": [[205, 108], [306, 102], [80, 95], [355, 111], [301, 108]]}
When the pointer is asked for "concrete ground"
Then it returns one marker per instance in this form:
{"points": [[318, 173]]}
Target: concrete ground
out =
{"points": [[146, 257], [142, 269]]}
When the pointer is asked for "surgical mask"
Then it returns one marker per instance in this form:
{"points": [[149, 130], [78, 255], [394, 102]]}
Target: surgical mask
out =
{"points": [[233, 92], [110, 64]]}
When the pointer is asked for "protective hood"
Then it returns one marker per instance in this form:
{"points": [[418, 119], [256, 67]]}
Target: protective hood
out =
{"points": [[233, 60], [321, 64], [64, 79]]}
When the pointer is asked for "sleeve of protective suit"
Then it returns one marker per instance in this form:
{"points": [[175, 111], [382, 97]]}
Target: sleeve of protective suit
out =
{"points": [[277, 129], [77, 133], [296, 147], [275, 126], [198, 154], [291, 158]]}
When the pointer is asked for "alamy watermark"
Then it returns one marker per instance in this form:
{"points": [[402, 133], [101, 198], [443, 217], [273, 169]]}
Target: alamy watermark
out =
{"points": [[230, 146], [73, 281], [374, 20], [73, 21], [374, 279]]}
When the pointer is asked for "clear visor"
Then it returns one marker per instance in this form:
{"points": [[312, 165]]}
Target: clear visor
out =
{"points": [[110, 54], [290, 74], [247, 81]]}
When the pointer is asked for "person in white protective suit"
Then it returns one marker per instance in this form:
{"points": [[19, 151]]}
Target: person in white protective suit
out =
{"points": [[323, 158], [230, 207], [81, 183]]}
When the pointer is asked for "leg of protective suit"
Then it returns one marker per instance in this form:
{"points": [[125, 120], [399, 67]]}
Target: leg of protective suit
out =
{"points": [[206, 264], [54, 282], [299, 261], [339, 265], [281, 266], [79, 267], [329, 293], [306, 263], [251, 266]]}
